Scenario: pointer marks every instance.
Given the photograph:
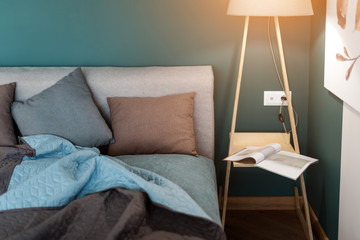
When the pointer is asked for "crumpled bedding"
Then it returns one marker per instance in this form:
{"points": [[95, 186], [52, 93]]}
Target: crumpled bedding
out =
{"points": [[67, 192], [196, 175]]}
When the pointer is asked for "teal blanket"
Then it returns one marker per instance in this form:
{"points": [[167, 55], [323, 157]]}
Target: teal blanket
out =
{"points": [[61, 172]]}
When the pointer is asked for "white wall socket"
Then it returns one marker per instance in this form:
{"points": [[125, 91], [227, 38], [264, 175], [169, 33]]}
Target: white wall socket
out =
{"points": [[273, 98]]}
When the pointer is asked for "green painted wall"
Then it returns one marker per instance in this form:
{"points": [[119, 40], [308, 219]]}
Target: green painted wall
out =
{"points": [[168, 32], [324, 132]]}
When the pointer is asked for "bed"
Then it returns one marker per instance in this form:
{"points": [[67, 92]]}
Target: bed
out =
{"points": [[92, 171]]}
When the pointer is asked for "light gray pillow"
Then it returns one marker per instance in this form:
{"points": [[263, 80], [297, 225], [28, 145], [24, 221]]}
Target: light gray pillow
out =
{"points": [[65, 109]]}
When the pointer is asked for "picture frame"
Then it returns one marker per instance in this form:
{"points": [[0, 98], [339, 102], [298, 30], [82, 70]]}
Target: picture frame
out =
{"points": [[342, 50]]}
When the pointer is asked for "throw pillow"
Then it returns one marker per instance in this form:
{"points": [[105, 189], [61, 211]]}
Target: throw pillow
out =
{"points": [[153, 125], [65, 109], [7, 132]]}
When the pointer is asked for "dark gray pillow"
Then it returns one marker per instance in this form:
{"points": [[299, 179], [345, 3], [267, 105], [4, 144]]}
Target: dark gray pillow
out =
{"points": [[65, 109], [7, 133]]}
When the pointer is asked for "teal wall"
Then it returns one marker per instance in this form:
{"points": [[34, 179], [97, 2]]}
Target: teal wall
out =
{"points": [[197, 32], [324, 132], [167, 32], [187, 32]]}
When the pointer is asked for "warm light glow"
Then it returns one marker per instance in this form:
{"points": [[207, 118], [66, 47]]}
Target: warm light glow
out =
{"points": [[270, 8]]}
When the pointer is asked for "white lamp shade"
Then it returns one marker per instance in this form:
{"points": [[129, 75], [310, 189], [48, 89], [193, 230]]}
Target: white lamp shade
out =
{"points": [[270, 8]]}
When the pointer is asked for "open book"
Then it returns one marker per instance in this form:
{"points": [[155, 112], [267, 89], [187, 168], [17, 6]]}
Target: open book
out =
{"points": [[270, 158]]}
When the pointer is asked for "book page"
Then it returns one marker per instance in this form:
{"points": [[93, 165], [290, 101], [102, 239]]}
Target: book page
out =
{"points": [[290, 165], [270, 149], [247, 155], [254, 155]]}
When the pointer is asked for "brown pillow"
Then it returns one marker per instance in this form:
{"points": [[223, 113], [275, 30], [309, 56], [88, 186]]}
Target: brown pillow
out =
{"points": [[153, 125], [7, 133]]}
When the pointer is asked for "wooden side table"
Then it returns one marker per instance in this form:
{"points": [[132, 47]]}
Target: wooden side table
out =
{"points": [[244, 139]]}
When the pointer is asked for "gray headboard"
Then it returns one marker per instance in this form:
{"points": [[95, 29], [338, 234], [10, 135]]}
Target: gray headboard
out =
{"points": [[129, 82]]}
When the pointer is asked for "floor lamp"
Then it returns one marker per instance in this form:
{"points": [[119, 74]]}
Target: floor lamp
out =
{"points": [[274, 8]]}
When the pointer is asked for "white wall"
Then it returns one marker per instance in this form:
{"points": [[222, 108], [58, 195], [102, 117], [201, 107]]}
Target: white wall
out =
{"points": [[349, 212]]}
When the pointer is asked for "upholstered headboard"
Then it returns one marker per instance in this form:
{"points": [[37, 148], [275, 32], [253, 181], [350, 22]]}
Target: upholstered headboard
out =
{"points": [[130, 82]]}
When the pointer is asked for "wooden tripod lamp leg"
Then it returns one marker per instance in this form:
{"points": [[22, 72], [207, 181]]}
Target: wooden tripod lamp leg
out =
{"points": [[306, 206], [292, 121], [233, 123], [286, 85], [226, 190]]}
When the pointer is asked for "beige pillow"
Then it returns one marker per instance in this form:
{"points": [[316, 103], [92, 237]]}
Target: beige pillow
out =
{"points": [[152, 125]]}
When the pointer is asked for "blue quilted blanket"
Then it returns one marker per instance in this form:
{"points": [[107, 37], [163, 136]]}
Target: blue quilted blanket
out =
{"points": [[61, 172]]}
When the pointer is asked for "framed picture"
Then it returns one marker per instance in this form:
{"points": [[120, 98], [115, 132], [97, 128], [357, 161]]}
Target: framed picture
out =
{"points": [[342, 50]]}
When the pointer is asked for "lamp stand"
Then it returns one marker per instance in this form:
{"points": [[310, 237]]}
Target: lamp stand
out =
{"points": [[292, 122], [233, 123], [307, 228]]}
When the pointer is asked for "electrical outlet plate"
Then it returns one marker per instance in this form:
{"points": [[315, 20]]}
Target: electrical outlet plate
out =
{"points": [[273, 98]]}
